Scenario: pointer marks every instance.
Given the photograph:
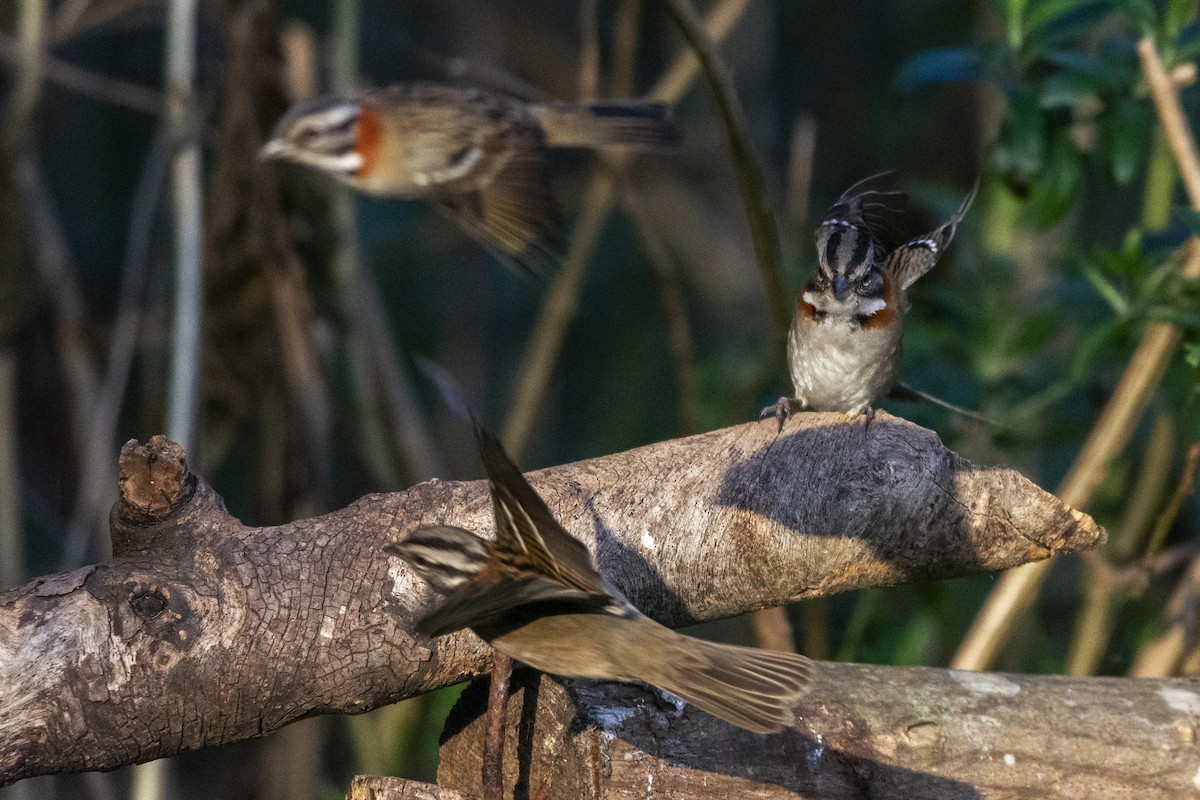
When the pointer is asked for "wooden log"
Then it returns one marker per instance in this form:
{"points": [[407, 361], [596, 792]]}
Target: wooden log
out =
{"points": [[202, 631], [377, 787], [865, 731]]}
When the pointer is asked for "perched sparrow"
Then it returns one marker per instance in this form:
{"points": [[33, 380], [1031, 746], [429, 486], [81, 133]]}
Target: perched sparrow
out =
{"points": [[535, 595], [477, 155], [844, 344]]}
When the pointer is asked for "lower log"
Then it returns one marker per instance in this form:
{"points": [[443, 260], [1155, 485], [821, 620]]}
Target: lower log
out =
{"points": [[375, 787], [866, 731]]}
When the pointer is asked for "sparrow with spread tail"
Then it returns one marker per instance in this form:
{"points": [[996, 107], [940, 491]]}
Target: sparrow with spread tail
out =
{"points": [[843, 347], [535, 595], [477, 155]]}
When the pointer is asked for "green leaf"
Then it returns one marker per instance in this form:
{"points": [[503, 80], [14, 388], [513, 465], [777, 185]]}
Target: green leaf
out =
{"points": [[1142, 13], [1176, 15], [1019, 150], [942, 65], [1095, 341], [1054, 190], [1184, 319], [1190, 217], [1014, 17], [1111, 294], [1187, 46], [1056, 30], [1034, 332], [1064, 89], [1044, 12], [1124, 137], [1191, 354]]}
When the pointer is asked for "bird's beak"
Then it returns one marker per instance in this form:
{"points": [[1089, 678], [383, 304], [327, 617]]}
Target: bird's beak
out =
{"points": [[840, 287], [272, 149]]}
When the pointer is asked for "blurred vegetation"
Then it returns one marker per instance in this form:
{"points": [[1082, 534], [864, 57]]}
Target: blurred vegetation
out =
{"points": [[1072, 248]]}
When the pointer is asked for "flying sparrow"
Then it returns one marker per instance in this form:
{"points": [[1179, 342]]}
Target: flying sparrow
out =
{"points": [[534, 594], [844, 343], [477, 155]]}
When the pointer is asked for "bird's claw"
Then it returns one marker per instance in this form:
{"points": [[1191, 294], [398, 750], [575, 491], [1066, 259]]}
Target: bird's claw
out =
{"points": [[781, 410]]}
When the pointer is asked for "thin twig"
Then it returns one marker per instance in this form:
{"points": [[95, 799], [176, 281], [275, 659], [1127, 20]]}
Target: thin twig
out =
{"points": [[12, 533], [545, 343], [359, 295], [1160, 657], [773, 629], [1017, 589], [1165, 94], [679, 331], [589, 51], [78, 17], [626, 37], [188, 217], [558, 310], [111, 90], [58, 276], [802, 150], [92, 499], [29, 53], [497, 715], [1106, 588], [761, 219], [1162, 525]]}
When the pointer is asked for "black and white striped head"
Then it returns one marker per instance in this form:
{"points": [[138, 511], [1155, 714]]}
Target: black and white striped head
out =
{"points": [[847, 261], [851, 248], [322, 133], [444, 557]]}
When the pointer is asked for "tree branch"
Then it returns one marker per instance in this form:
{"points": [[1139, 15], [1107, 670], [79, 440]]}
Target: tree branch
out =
{"points": [[885, 733], [202, 631]]}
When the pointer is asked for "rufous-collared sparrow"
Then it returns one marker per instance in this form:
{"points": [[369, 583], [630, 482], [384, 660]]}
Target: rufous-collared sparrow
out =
{"points": [[534, 594], [843, 347], [478, 155]]}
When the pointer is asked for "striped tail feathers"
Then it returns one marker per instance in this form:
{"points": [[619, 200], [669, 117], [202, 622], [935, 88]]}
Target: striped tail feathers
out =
{"points": [[747, 687], [642, 124]]}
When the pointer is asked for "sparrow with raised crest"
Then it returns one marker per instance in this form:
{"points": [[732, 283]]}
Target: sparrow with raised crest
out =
{"points": [[535, 595], [478, 155], [843, 347]]}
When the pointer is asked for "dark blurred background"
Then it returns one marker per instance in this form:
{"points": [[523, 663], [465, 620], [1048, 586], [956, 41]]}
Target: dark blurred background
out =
{"points": [[315, 302]]}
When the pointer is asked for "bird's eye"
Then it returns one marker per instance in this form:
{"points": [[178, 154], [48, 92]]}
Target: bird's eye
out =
{"points": [[305, 135], [867, 282]]}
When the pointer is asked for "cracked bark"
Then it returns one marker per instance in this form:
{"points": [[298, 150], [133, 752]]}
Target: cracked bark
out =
{"points": [[202, 631]]}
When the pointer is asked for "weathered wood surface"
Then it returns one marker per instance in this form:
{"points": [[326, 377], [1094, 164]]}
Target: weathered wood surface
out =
{"points": [[202, 631], [377, 787], [885, 733]]}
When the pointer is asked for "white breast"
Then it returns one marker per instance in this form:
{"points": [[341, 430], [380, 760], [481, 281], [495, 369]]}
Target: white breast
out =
{"points": [[838, 366]]}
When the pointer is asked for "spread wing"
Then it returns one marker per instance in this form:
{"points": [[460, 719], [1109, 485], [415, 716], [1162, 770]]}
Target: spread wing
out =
{"points": [[526, 532], [910, 261], [515, 215], [868, 209]]}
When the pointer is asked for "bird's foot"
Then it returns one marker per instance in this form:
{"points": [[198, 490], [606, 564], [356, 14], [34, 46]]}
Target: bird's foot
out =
{"points": [[781, 410]]}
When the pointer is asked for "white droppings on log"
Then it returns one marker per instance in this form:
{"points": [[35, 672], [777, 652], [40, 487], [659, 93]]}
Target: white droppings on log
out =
{"points": [[1181, 700], [985, 683]]}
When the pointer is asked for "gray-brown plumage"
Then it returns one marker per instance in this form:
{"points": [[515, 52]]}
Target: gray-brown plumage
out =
{"points": [[535, 595], [479, 156], [845, 339]]}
